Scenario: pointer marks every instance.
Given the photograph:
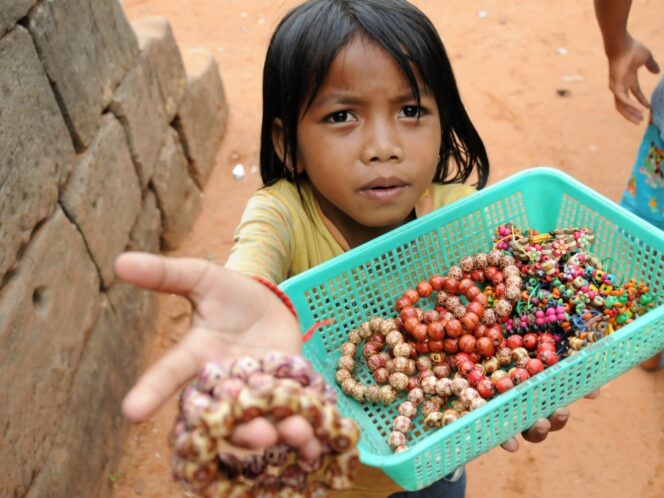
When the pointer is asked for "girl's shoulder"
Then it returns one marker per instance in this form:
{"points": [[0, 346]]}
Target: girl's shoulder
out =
{"points": [[448, 193], [282, 195], [281, 189]]}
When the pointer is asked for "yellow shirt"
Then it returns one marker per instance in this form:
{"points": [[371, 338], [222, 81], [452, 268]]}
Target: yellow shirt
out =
{"points": [[282, 234]]}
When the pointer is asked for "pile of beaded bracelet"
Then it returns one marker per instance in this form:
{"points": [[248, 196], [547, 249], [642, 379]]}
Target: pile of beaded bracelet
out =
{"points": [[452, 325], [445, 387], [537, 248], [497, 320], [277, 386], [568, 292]]}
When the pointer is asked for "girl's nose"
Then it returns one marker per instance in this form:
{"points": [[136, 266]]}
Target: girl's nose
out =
{"points": [[382, 144]]}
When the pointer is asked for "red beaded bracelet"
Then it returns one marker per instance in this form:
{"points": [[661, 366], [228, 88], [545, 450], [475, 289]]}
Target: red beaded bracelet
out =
{"points": [[289, 304]]}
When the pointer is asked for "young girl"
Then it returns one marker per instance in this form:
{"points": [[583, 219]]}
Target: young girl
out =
{"points": [[363, 130]]}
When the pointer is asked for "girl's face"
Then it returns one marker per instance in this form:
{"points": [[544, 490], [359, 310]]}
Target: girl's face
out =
{"points": [[369, 151]]}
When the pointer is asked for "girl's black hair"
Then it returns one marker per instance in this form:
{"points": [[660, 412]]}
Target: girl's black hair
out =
{"points": [[308, 39]]}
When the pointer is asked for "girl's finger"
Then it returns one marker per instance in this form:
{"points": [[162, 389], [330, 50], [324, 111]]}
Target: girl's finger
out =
{"points": [[177, 275], [160, 382], [259, 433], [593, 394], [538, 432], [311, 450], [559, 419], [295, 431], [511, 445]]}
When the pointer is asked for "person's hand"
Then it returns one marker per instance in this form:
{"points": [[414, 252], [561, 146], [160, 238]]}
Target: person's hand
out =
{"points": [[624, 79], [540, 430], [233, 315]]}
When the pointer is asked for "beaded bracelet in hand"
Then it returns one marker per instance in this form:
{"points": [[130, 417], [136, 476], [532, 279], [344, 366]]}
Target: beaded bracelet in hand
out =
{"points": [[236, 392], [228, 394]]}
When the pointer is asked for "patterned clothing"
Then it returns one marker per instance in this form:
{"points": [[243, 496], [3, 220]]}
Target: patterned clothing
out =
{"points": [[644, 195]]}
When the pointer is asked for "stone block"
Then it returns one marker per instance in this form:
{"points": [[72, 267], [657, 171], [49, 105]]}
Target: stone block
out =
{"points": [[11, 11], [146, 234], [203, 113], [36, 151], [177, 195], [158, 46], [47, 312], [137, 105], [86, 46], [103, 197], [92, 430]]}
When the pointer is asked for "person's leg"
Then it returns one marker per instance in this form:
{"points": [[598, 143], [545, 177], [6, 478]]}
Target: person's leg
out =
{"points": [[451, 486]]}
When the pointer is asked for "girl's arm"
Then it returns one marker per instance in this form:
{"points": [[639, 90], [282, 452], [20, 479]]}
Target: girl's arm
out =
{"points": [[626, 55]]}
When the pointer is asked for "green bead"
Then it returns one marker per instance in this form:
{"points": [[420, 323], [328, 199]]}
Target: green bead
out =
{"points": [[623, 298], [610, 302], [621, 318], [645, 299]]}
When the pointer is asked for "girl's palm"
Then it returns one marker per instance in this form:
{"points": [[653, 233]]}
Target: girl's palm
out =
{"points": [[233, 315]]}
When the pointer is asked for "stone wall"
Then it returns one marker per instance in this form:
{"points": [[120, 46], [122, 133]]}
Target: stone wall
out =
{"points": [[107, 137]]}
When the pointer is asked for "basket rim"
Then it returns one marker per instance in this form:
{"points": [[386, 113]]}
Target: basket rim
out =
{"points": [[639, 225]]}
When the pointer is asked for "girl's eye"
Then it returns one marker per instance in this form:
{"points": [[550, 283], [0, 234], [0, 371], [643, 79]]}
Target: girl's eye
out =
{"points": [[339, 117], [411, 111]]}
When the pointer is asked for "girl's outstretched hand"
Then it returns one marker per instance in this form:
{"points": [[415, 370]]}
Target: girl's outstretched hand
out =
{"points": [[233, 315]]}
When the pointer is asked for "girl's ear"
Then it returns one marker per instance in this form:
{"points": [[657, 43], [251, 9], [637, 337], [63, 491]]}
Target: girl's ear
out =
{"points": [[278, 143]]}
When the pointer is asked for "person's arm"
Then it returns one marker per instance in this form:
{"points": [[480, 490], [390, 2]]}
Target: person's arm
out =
{"points": [[625, 56], [233, 315], [612, 19]]}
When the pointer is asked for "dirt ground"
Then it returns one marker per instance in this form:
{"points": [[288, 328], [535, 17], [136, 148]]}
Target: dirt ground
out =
{"points": [[512, 60]]}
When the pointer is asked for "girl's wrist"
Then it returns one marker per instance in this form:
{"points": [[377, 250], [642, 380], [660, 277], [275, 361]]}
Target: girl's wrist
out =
{"points": [[277, 292], [289, 304]]}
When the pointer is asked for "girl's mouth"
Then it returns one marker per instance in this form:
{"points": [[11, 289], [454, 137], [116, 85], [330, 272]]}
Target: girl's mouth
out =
{"points": [[384, 190]]}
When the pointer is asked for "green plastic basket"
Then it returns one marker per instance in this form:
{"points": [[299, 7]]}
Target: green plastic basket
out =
{"points": [[366, 281]]}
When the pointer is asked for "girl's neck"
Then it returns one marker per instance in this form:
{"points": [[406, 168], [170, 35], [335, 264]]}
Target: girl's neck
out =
{"points": [[354, 233]]}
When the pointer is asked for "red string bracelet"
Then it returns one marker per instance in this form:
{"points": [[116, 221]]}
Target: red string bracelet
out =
{"points": [[289, 304]]}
